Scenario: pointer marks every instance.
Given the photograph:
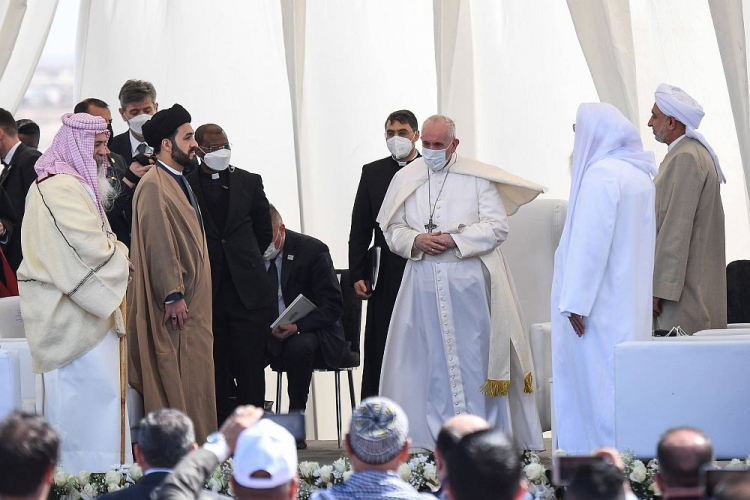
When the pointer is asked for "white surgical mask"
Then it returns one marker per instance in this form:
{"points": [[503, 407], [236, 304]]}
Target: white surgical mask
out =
{"points": [[271, 252], [434, 158], [400, 147], [218, 160], [136, 123]]}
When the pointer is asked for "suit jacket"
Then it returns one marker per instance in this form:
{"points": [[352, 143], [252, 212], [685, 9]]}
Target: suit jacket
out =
{"points": [[307, 269], [15, 180], [189, 476], [246, 234], [140, 490], [120, 144], [8, 218], [120, 214]]}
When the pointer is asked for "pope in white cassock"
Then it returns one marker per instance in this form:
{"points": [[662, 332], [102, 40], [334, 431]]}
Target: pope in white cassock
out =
{"points": [[601, 292], [456, 343], [72, 283]]}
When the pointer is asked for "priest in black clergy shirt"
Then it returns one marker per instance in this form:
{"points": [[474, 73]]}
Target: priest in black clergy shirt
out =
{"points": [[401, 133], [238, 231]]}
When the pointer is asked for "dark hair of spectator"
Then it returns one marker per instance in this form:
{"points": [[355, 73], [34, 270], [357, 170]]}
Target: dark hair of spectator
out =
{"points": [[28, 448]]}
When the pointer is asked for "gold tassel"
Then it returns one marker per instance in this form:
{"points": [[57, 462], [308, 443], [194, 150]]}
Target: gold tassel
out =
{"points": [[495, 388], [528, 386]]}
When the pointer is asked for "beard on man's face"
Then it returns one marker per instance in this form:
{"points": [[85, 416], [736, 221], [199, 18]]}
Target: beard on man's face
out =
{"points": [[182, 158], [107, 192]]}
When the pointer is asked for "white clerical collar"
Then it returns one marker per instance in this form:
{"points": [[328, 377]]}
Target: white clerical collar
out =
{"points": [[156, 469], [9, 157], [134, 143], [175, 172], [674, 143]]}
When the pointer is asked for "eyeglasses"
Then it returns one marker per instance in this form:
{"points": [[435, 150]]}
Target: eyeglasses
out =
{"points": [[211, 149]]}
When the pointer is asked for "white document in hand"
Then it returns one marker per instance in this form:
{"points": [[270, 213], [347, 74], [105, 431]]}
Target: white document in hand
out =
{"points": [[298, 309]]}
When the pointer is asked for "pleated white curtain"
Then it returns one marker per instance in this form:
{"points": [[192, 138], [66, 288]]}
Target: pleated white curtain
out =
{"points": [[24, 26]]}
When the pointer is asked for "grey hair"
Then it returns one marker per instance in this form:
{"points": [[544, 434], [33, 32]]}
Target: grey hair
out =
{"points": [[450, 125], [165, 436], [135, 91]]}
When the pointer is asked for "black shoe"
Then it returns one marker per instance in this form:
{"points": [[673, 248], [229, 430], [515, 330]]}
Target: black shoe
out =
{"points": [[301, 445]]}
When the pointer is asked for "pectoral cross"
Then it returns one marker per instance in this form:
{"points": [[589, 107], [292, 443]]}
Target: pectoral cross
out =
{"points": [[430, 226]]}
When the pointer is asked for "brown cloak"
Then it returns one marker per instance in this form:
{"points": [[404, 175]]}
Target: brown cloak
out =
{"points": [[171, 368]]}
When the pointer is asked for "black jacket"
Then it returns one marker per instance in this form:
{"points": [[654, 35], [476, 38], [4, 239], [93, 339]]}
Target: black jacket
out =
{"points": [[140, 490], [8, 218], [16, 180], [120, 144], [307, 269], [246, 234], [120, 214]]}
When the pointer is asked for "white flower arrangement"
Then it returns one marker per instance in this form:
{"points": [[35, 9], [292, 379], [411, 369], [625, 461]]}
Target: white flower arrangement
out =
{"points": [[536, 475]]}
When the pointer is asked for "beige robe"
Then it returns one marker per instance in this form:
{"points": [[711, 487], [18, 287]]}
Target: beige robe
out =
{"points": [[171, 368], [690, 263]]}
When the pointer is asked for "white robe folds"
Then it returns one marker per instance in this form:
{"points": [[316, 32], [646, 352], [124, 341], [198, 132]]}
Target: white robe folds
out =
{"points": [[605, 275], [439, 341]]}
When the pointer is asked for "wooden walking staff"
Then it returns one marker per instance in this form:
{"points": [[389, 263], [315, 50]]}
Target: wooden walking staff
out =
{"points": [[123, 382]]}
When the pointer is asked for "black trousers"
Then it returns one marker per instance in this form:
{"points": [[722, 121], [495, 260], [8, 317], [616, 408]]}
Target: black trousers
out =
{"points": [[239, 351], [299, 355]]}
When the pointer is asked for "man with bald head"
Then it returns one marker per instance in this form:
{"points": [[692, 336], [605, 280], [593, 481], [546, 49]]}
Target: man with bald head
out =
{"points": [[682, 452], [238, 231], [690, 287], [450, 435], [456, 332]]}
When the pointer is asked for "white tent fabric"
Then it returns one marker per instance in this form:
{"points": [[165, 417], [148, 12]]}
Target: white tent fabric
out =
{"points": [[24, 28], [604, 30]]}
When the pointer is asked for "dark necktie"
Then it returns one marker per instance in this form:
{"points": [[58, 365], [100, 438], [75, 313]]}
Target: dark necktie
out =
{"points": [[141, 148], [273, 277]]}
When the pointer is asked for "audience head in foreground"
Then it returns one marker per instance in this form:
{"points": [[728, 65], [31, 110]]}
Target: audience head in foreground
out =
{"points": [[485, 465], [28, 455], [597, 481], [164, 437], [265, 463], [733, 489], [451, 433], [378, 435], [682, 452]]}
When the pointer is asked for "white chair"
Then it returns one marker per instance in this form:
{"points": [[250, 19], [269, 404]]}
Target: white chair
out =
{"points": [[727, 332], [695, 381], [534, 234], [27, 382], [10, 382], [11, 323]]}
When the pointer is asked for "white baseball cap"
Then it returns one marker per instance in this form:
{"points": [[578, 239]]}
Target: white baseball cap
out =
{"points": [[265, 456]]}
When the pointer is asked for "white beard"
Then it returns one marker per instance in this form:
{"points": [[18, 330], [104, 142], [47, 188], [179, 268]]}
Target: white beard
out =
{"points": [[107, 192]]}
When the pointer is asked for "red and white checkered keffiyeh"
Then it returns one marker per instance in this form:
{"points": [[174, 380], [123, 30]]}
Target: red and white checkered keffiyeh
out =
{"points": [[72, 152]]}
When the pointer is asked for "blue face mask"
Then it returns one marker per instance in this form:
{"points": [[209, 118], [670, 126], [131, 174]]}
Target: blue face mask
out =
{"points": [[434, 158]]}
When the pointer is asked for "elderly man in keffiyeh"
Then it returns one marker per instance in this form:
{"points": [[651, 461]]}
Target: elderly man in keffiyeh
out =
{"points": [[72, 284], [690, 287]]}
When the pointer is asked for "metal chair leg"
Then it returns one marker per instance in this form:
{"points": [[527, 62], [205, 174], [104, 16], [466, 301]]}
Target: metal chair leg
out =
{"points": [[279, 380], [351, 389], [337, 375]]}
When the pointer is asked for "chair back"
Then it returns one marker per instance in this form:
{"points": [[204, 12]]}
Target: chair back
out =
{"points": [[11, 323], [351, 320], [738, 291]]}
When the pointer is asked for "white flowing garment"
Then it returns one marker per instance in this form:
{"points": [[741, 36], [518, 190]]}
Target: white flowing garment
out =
{"points": [[436, 355], [81, 401], [603, 271]]}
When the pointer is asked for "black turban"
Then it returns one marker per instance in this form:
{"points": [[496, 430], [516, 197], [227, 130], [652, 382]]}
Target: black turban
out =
{"points": [[163, 124]]}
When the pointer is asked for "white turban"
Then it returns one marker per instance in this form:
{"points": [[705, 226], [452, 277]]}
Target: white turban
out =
{"points": [[675, 102]]}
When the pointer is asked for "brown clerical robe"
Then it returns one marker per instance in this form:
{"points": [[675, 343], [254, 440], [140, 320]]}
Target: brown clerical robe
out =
{"points": [[690, 263], [171, 368]]}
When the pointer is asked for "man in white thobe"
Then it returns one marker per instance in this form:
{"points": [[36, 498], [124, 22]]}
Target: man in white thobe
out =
{"points": [[72, 283], [456, 343], [601, 292]]}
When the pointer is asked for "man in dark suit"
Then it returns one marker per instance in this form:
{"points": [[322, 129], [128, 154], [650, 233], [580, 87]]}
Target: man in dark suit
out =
{"points": [[29, 132], [137, 106], [300, 264], [401, 133], [122, 176], [18, 174], [164, 438], [238, 230]]}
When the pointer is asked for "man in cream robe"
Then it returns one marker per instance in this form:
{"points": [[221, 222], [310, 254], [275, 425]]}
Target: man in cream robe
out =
{"points": [[72, 283], [690, 281], [169, 304], [601, 292], [456, 343]]}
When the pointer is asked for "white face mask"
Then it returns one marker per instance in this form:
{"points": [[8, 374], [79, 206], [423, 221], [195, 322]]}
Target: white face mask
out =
{"points": [[271, 252], [136, 123], [434, 158], [218, 160], [400, 147]]}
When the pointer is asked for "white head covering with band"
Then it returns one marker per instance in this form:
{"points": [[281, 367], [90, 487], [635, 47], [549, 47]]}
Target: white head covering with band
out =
{"points": [[675, 102]]}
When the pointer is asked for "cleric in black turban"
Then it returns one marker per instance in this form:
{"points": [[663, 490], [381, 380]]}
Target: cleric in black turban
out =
{"points": [[163, 124]]}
